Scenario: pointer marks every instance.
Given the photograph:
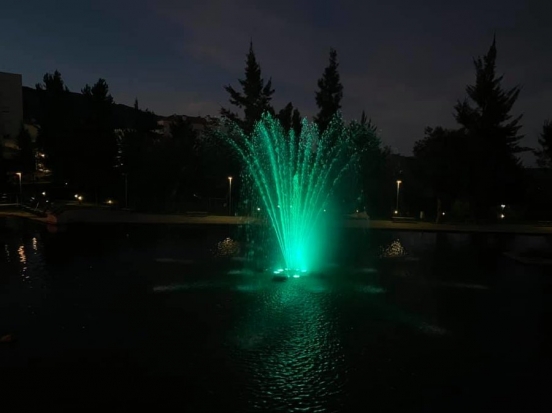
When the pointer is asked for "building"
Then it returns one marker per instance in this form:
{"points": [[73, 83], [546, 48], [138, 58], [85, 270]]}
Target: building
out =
{"points": [[11, 111]]}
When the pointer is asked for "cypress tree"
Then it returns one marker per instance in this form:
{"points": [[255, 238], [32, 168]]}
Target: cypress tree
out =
{"points": [[329, 94]]}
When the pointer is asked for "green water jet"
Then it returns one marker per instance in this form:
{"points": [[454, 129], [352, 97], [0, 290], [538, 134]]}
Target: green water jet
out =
{"points": [[293, 177]]}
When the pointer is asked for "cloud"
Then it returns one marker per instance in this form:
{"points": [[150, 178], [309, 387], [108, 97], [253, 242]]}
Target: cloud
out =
{"points": [[291, 51], [405, 64]]}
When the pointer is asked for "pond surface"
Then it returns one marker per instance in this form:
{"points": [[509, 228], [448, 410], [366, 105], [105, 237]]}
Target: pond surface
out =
{"points": [[174, 317]]}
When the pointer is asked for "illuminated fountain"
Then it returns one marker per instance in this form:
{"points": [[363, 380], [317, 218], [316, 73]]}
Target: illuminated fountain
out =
{"points": [[292, 179]]}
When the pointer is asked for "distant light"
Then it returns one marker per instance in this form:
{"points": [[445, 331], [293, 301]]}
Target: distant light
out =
{"points": [[396, 212], [258, 209], [502, 216], [502, 206], [277, 206], [357, 211], [229, 178], [79, 198], [109, 201], [76, 195], [295, 275], [44, 194], [324, 210], [399, 182], [66, 183], [443, 213]]}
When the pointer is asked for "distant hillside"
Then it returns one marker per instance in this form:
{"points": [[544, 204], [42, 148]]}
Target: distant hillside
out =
{"points": [[123, 114]]}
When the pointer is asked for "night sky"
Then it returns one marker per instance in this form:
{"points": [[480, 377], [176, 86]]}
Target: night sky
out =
{"points": [[404, 63]]}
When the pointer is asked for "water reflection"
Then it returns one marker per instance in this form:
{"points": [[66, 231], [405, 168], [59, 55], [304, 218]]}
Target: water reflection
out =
{"points": [[289, 345], [228, 247], [380, 331], [23, 261], [24, 257], [394, 250]]}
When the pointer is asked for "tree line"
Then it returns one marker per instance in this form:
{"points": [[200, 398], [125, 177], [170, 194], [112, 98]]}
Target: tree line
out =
{"points": [[86, 152], [470, 172]]}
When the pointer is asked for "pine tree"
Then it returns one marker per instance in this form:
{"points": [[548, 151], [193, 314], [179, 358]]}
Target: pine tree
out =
{"points": [[492, 137], [330, 93], [367, 123], [544, 155], [255, 97]]}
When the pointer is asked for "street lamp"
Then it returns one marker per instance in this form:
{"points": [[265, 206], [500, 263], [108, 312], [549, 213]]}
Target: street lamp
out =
{"points": [[399, 182], [229, 195], [20, 187]]}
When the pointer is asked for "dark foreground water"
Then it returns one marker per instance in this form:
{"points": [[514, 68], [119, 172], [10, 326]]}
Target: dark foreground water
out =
{"points": [[173, 318]]}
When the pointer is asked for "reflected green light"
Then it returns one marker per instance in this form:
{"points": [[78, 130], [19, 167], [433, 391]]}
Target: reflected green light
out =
{"points": [[286, 272], [293, 177]]}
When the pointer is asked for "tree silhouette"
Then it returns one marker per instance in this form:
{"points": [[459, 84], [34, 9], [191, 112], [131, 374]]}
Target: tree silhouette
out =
{"points": [[367, 176], [97, 149], [296, 122], [184, 159], [26, 157], [290, 119], [544, 155], [442, 165], [492, 137], [330, 93], [255, 97], [285, 116], [364, 121], [56, 120]]}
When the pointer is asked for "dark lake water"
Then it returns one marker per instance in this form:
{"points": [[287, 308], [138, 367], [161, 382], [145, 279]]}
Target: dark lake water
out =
{"points": [[173, 318]]}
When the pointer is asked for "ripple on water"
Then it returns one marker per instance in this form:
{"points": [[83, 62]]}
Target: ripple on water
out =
{"points": [[289, 345]]}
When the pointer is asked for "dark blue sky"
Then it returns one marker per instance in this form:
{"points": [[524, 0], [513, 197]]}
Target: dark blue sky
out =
{"points": [[406, 64]]}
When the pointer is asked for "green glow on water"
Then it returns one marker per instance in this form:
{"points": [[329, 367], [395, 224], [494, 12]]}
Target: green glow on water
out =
{"points": [[293, 177]]}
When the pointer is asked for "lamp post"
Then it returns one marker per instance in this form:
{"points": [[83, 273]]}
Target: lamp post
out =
{"points": [[399, 182], [20, 187], [229, 195]]}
